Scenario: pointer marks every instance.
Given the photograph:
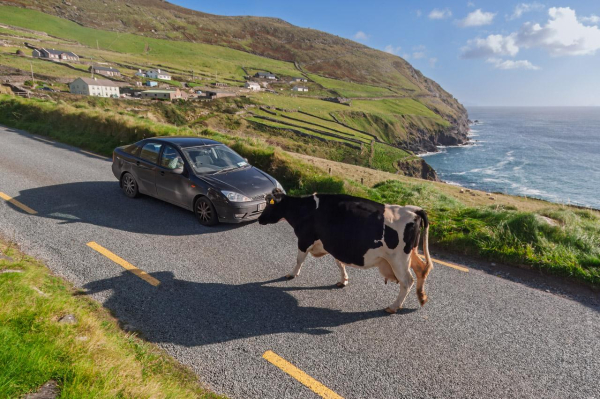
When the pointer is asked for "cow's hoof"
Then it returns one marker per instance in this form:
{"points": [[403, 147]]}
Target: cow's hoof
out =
{"points": [[390, 310], [340, 285], [290, 276]]}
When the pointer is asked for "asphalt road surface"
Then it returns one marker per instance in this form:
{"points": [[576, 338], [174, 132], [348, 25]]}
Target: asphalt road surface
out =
{"points": [[222, 303]]}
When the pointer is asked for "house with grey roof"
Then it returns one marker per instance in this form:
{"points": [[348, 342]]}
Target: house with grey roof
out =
{"points": [[300, 88], [94, 87], [299, 79], [55, 55], [265, 75], [106, 71]]}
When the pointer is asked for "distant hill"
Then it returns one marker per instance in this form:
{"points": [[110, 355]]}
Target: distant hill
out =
{"points": [[312, 51]]}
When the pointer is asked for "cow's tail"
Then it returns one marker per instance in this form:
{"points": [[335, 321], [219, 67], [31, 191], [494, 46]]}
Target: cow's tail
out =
{"points": [[423, 268]]}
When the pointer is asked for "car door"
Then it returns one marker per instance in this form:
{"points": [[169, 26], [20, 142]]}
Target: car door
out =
{"points": [[146, 168], [171, 185]]}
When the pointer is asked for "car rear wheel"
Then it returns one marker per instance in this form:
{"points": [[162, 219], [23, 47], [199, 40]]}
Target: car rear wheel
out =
{"points": [[129, 185], [205, 212]]}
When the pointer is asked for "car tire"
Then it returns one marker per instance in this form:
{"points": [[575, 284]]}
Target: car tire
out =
{"points": [[129, 185], [205, 212]]}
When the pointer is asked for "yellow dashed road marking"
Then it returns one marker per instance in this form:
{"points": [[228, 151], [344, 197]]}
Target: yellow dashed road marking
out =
{"points": [[300, 375], [17, 204], [122, 262]]}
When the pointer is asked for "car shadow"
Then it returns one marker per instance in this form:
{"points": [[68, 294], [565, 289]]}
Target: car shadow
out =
{"points": [[102, 203], [195, 314]]}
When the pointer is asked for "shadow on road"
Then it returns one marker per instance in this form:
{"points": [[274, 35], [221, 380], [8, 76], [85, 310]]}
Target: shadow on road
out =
{"points": [[101, 203], [193, 314]]}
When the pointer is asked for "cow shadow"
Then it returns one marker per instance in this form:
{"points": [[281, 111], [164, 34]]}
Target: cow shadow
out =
{"points": [[195, 314], [102, 203]]}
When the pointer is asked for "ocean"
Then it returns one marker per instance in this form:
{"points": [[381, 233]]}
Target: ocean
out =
{"points": [[552, 153]]}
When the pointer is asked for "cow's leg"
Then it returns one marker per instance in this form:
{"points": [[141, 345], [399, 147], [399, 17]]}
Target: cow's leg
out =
{"points": [[343, 275], [299, 261], [421, 271], [405, 280]]}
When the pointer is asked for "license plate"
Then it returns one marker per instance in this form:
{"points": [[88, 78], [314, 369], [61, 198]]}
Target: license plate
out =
{"points": [[262, 206]]}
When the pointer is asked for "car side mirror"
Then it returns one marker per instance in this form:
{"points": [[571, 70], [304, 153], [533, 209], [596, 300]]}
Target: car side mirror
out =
{"points": [[246, 159], [177, 171]]}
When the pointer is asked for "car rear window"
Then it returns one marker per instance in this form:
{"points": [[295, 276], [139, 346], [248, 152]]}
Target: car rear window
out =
{"points": [[150, 152]]}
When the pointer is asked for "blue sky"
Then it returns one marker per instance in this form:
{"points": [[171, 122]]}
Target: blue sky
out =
{"points": [[483, 52]]}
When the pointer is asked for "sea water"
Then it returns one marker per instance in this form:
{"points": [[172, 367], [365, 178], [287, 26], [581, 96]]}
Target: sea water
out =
{"points": [[552, 153]]}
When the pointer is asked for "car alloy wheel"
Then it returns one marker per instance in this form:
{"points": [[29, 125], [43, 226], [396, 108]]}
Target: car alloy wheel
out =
{"points": [[205, 212], [129, 186]]}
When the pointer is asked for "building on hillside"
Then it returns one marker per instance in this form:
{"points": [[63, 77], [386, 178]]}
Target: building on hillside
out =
{"points": [[156, 94], [213, 94], [151, 83], [265, 75], [140, 74], [300, 88], [94, 87], [220, 84], [252, 86], [106, 71], [299, 79], [158, 74], [55, 55]]}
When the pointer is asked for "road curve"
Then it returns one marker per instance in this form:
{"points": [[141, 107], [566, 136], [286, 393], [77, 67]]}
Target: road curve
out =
{"points": [[222, 303]]}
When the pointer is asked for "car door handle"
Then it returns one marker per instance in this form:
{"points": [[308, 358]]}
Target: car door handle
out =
{"points": [[138, 163], [162, 172]]}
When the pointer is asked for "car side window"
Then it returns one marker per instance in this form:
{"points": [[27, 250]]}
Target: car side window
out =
{"points": [[171, 159], [133, 149], [150, 152]]}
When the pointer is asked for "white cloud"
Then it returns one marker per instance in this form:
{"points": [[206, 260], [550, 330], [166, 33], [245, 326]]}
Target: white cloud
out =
{"points": [[562, 35], [523, 8], [361, 36], [510, 64], [392, 50], [490, 46], [436, 13], [477, 18], [418, 55], [432, 62], [592, 19]]}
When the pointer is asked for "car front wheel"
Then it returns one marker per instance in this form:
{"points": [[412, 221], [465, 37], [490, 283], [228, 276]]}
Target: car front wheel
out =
{"points": [[129, 185], [205, 212]]}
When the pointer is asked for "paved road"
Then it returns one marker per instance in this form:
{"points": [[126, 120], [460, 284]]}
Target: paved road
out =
{"points": [[222, 302]]}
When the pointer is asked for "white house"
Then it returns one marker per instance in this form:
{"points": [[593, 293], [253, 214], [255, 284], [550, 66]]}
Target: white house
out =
{"points": [[140, 74], [94, 87], [252, 86], [55, 55], [300, 88], [158, 74]]}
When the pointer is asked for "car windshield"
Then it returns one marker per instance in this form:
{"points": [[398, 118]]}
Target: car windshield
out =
{"points": [[213, 159]]}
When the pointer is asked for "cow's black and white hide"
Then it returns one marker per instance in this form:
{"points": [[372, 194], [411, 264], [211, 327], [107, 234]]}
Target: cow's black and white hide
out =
{"points": [[358, 233]]}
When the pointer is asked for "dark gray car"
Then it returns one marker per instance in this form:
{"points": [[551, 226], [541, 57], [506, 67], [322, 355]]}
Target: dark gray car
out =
{"points": [[201, 175]]}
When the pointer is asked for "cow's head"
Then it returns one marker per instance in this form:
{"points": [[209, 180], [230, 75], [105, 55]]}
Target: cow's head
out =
{"points": [[274, 211]]}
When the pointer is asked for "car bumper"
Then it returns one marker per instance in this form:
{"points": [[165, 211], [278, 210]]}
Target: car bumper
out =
{"points": [[239, 213]]}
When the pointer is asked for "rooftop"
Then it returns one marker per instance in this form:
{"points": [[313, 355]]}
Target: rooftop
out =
{"points": [[99, 82]]}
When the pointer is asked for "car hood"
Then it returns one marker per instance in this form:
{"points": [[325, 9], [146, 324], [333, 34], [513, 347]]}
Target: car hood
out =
{"points": [[247, 181]]}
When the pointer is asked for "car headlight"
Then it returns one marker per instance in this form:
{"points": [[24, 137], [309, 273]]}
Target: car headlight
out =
{"points": [[279, 186], [235, 197]]}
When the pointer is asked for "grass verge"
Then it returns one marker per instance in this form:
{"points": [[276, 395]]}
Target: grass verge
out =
{"points": [[559, 239], [92, 358]]}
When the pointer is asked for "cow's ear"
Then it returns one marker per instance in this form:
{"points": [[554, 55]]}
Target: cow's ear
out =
{"points": [[278, 194]]}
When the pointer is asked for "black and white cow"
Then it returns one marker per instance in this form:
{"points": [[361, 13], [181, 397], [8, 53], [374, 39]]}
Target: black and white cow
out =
{"points": [[359, 233]]}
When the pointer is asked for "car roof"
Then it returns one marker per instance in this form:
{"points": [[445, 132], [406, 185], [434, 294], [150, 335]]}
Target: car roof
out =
{"points": [[183, 142]]}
